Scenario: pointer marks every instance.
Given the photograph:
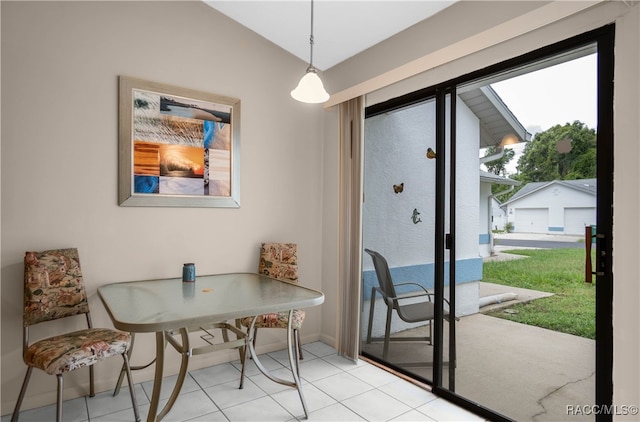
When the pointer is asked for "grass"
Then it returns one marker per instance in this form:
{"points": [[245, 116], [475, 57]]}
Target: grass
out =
{"points": [[570, 310]]}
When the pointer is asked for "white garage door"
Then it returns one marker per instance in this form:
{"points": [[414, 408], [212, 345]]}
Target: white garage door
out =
{"points": [[532, 220], [575, 219]]}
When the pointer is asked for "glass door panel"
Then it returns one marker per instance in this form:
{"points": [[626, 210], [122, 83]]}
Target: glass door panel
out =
{"points": [[398, 223], [525, 338]]}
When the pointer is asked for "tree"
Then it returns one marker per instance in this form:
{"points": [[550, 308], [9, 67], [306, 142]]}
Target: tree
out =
{"points": [[498, 167], [560, 153]]}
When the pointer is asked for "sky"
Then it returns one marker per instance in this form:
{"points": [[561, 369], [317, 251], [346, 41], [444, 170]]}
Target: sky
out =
{"points": [[556, 95]]}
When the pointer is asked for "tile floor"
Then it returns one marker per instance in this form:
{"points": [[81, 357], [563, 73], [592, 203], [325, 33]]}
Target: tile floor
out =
{"points": [[336, 389]]}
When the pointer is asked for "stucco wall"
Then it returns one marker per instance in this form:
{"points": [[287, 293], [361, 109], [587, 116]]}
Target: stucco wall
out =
{"points": [[484, 222], [60, 63], [395, 147]]}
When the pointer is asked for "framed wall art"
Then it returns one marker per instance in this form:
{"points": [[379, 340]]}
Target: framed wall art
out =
{"points": [[178, 147]]}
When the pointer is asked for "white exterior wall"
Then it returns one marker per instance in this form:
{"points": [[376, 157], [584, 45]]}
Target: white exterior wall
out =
{"points": [[395, 147], [468, 207], [485, 225], [388, 227], [492, 217], [499, 216]]}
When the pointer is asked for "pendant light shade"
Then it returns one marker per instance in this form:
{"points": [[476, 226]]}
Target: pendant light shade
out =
{"points": [[310, 88]]}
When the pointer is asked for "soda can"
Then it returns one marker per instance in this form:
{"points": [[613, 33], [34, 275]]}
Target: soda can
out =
{"points": [[189, 272]]}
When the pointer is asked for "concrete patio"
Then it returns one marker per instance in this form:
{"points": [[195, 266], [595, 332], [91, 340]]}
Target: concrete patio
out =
{"points": [[524, 372]]}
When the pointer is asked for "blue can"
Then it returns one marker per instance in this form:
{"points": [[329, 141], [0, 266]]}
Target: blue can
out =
{"points": [[189, 272]]}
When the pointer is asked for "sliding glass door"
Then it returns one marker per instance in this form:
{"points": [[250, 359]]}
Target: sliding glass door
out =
{"points": [[461, 189]]}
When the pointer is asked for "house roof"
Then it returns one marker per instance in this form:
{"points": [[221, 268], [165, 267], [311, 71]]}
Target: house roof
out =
{"points": [[584, 185], [496, 120]]}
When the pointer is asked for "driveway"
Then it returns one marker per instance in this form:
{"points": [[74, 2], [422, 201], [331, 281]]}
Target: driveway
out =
{"points": [[535, 240]]}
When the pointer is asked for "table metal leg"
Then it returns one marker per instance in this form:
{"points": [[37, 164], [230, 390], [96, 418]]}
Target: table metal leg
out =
{"points": [[157, 380], [185, 352], [292, 362], [182, 373]]}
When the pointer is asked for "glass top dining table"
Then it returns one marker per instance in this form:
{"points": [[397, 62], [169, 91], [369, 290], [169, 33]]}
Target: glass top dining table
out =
{"points": [[169, 306]]}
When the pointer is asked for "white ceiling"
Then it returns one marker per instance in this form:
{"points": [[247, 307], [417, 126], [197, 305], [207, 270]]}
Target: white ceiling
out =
{"points": [[341, 28]]}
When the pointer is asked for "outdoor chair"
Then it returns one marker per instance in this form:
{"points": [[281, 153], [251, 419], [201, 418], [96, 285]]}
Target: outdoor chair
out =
{"points": [[404, 305], [280, 261], [54, 289]]}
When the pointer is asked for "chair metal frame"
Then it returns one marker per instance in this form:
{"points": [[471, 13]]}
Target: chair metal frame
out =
{"points": [[421, 311]]}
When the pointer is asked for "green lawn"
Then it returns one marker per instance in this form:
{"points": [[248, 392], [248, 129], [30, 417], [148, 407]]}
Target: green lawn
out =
{"points": [[560, 271]]}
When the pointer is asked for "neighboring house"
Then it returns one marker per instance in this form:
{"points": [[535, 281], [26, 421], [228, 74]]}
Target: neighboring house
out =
{"points": [[492, 215], [559, 206]]}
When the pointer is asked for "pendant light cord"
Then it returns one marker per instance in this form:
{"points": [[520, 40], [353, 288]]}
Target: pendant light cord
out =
{"points": [[310, 88], [311, 38]]}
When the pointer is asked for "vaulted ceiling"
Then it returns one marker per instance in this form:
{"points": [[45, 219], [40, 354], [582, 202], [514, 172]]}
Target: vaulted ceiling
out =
{"points": [[342, 28]]}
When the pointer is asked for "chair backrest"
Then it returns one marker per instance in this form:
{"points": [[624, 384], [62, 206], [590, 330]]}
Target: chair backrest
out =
{"points": [[382, 272], [279, 260], [53, 286]]}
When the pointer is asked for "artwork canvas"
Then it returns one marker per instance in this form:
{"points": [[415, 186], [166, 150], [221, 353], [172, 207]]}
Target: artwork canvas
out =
{"points": [[178, 147]]}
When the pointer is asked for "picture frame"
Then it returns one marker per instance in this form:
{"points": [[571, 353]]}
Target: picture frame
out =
{"points": [[178, 147]]}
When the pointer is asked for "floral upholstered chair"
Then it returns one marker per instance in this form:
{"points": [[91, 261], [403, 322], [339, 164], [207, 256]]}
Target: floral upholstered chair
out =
{"points": [[54, 289], [280, 261]]}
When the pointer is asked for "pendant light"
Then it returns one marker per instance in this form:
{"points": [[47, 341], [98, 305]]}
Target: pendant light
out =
{"points": [[310, 88]]}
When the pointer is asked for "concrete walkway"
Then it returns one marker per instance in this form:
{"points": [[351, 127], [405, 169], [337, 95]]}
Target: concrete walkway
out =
{"points": [[524, 372], [531, 374], [539, 236]]}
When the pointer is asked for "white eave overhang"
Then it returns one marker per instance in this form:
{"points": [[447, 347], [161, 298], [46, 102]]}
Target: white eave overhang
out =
{"points": [[496, 120], [486, 177]]}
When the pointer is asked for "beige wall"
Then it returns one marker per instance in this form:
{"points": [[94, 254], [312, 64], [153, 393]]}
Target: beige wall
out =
{"points": [[435, 37], [60, 63]]}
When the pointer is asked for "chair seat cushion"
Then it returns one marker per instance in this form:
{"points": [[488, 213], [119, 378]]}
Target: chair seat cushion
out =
{"points": [[276, 320], [64, 353]]}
